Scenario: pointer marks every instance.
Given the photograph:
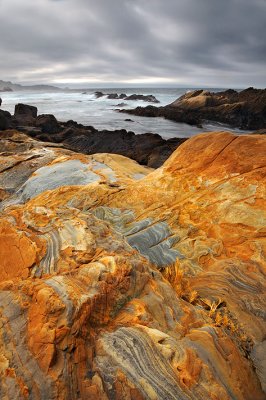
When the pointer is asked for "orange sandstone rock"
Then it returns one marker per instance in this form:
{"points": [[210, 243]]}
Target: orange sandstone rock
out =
{"points": [[118, 282]]}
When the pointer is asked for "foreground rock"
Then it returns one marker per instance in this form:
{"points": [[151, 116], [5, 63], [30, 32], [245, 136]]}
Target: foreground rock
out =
{"points": [[117, 288], [244, 110], [148, 149]]}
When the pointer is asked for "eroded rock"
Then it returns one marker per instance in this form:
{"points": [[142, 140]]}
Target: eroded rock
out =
{"points": [[139, 284]]}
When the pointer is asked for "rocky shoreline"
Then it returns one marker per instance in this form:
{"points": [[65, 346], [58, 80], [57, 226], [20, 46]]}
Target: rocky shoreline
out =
{"points": [[147, 149], [244, 110]]}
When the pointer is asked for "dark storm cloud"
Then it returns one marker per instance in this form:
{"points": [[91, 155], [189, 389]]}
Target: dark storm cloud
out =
{"points": [[190, 42]]}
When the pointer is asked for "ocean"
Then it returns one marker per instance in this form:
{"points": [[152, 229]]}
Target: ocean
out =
{"points": [[83, 107]]}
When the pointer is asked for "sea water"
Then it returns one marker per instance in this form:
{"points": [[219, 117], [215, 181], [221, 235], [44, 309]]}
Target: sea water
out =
{"points": [[83, 107]]}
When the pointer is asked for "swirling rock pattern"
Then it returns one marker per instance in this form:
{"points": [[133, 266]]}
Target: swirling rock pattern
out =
{"points": [[115, 287], [153, 240]]}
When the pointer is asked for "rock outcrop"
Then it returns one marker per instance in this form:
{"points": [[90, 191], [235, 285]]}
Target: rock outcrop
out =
{"points": [[119, 282], [244, 110], [122, 96]]}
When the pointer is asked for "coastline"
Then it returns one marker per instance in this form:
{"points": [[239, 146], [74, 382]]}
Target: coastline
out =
{"points": [[101, 113], [148, 148]]}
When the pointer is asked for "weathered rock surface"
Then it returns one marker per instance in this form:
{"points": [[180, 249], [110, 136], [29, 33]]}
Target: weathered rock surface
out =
{"points": [[245, 109], [118, 282]]}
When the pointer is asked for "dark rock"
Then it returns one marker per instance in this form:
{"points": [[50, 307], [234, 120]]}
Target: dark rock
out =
{"points": [[72, 123], [48, 123], [149, 111], [25, 115], [129, 120], [30, 130], [149, 98], [25, 109], [98, 94], [161, 153], [5, 120], [149, 149], [113, 96]]}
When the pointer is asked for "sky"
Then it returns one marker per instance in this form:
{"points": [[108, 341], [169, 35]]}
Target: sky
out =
{"points": [[102, 43]]}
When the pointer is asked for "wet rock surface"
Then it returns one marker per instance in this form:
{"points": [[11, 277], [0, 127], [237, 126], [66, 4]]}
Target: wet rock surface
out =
{"points": [[122, 282], [245, 109]]}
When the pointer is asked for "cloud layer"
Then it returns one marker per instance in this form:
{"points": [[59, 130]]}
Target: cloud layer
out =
{"points": [[179, 42]]}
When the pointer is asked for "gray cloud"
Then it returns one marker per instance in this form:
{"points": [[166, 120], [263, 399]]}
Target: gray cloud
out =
{"points": [[179, 42]]}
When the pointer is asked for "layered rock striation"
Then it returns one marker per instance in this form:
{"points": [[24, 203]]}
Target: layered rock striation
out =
{"points": [[245, 109], [120, 282]]}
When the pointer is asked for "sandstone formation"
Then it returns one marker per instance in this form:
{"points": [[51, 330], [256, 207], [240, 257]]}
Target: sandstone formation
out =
{"points": [[244, 110], [148, 149], [119, 282]]}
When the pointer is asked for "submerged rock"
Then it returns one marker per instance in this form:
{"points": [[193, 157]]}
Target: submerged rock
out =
{"points": [[120, 282]]}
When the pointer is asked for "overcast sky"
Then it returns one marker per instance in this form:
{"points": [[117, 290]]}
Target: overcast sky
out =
{"points": [[218, 43]]}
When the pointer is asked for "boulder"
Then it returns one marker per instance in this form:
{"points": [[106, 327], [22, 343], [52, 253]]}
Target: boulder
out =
{"points": [[25, 115], [25, 109], [48, 123], [5, 120]]}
